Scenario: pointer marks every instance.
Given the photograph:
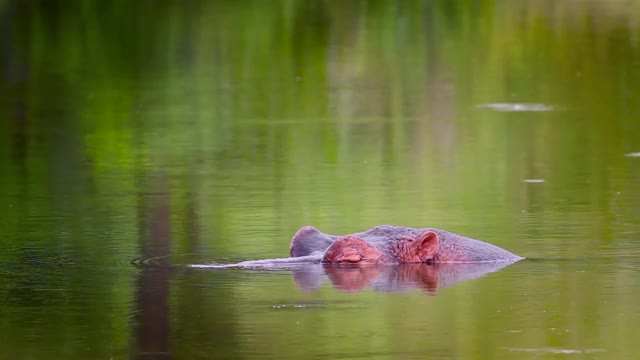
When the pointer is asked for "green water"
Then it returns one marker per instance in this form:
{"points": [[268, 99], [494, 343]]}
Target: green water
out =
{"points": [[204, 131]]}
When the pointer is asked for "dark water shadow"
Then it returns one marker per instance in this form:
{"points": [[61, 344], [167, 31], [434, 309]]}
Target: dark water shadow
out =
{"points": [[151, 325]]}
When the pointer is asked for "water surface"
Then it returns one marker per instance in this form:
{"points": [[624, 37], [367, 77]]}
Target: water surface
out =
{"points": [[209, 132]]}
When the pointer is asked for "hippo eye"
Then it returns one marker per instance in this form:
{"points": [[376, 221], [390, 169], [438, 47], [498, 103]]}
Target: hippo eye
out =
{"points": [[408, 238]]}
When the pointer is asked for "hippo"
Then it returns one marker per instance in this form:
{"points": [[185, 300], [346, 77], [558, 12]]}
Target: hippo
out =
{"points": [[388, 244], [393, 258], [381, 245]]}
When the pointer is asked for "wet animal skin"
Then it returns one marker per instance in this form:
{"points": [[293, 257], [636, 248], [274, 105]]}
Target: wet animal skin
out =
{"points": [[388, 244]]}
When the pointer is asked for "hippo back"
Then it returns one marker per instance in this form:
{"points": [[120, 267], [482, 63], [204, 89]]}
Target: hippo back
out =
{"points": [[452, 248], [309, 240], [457, 248]]}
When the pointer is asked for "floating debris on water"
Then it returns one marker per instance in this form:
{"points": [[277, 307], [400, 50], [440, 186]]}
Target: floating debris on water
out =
{"points": [[285, 306], [534, 181], [556, 350], [517, 107], [633, 154]]}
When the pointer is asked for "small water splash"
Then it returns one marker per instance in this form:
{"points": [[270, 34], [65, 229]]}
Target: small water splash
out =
{"points": [[556, 350], [285, 306], [517, 107]]}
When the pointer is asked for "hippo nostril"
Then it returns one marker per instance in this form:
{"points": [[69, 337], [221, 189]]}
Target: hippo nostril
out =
{"points": [[349, 254], [350, 258]]}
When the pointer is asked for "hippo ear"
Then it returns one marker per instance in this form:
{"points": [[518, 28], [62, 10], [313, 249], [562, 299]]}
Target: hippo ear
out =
{"points": [[426, 246]]}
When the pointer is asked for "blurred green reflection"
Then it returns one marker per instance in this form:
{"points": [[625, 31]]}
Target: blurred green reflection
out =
{"points": [[217, 128]]}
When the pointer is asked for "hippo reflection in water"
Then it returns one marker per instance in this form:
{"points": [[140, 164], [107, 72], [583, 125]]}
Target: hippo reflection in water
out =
{"points": [[390, 278], [392, 258]]}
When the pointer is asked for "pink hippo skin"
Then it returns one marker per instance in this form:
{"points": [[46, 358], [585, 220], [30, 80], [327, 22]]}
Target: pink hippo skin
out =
{"points": [[389, 244]]}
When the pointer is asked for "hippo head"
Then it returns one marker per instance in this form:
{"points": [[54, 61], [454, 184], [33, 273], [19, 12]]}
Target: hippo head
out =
{"points": [[399, 249]]}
